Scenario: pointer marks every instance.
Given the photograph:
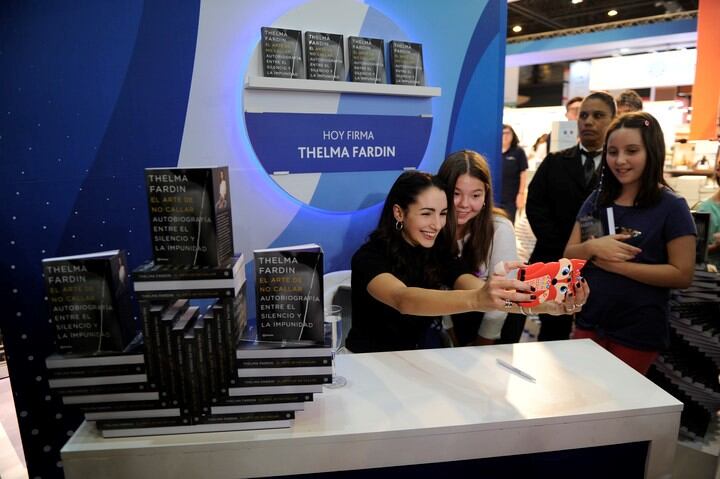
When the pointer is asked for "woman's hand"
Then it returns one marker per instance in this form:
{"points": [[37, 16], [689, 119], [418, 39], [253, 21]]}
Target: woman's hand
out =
{"points": [[500, 293], [572, 304], [613, 248]]}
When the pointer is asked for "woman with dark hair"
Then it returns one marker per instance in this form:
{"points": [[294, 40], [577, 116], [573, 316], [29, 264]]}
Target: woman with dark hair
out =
{"points": [[484, 237], [399, 277], [514, 173], [639, 239]]}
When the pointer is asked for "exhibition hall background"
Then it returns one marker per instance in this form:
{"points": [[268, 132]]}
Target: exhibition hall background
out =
{"points": [[95, 91]]}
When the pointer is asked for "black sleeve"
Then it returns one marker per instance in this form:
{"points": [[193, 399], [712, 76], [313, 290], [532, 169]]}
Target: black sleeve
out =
{"points": [[539, 205], [368, 262]]}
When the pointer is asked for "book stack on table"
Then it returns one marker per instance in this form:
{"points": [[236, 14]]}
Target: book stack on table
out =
{"points": [[689, 369]]}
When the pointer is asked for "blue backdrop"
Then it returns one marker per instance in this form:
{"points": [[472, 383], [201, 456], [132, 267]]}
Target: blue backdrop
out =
{"points": [[94, 91]]}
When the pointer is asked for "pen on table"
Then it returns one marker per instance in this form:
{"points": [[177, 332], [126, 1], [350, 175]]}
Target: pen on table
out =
{"points": [[517, 371]]}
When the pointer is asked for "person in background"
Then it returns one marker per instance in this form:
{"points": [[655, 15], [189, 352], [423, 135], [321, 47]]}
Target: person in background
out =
{"points": [[628, 101], [572, 108], [712, 206], [562, 182], [483, 238], [398, 274], [651, 249], [514, 173]]}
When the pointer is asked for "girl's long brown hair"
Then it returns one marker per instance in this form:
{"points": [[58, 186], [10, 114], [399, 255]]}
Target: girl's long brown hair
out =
{"points": [[481, 228]]}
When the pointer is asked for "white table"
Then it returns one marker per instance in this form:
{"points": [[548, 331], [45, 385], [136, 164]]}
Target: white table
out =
{"points": [[415, 407]]}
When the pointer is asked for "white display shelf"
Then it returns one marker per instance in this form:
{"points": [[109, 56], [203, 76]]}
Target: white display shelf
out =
{"points": [[326, 86]]}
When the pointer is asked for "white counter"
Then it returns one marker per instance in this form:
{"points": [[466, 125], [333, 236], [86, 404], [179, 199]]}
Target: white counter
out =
{"points": [[414, 407]]}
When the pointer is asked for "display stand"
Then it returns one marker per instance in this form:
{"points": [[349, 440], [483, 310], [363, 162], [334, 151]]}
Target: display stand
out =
{"points": [[421, 407]]}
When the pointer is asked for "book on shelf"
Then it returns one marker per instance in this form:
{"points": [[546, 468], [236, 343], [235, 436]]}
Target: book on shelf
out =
{"points": [[252, 352], [114, 388], [150, 317], [60, 365], [111, 397], [89, 302], [291, 371], [282, 53], [325, 56], [366, 57], [275, 389], [287, 406], [168, 378], [406, 63], [132, 414], [195, 428], [167, 276], [255, 400], [282, 381], [289, 293], [179, 360], [190, 215], [96, 380]]}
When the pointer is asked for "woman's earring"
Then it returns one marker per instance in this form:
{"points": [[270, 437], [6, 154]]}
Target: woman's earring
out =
{"points": [[399, 225]]}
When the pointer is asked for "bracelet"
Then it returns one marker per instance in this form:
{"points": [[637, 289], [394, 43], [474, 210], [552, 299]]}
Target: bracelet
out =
{"points": [[526, 313]]}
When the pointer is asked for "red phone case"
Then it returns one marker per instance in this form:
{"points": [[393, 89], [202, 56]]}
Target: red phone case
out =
{"points": [[552, 281]]}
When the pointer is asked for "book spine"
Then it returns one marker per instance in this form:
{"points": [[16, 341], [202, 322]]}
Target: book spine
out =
{"points": [[284, 362], [161, 295], [90, 371], [102, 389], [247, 417], [168, 362], [108, 424], [221, 350], [149, 317], [184, 381], [209, 346], [191, 375], [265, 399], [284, 380]]}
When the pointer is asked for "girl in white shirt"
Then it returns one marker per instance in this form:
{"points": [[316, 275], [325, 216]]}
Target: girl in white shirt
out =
{"points": [[484, 237]]}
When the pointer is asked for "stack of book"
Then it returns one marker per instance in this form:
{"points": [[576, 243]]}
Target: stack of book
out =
{"points": [[276, 376], [690, 368]]}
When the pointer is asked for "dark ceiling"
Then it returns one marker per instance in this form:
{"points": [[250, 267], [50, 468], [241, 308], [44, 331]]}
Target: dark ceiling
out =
{"points": [[539, 16]]}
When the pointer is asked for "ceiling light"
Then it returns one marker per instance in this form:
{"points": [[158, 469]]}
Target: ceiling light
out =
{"points": [[575, 2], [517, 29], [612, 13]]}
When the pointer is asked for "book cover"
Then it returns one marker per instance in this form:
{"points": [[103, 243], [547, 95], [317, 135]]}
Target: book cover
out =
{"points": [[406, 63], [293, 380], [111, 397], [183, 428], [89, 302], [292, 371], [289, 294], [282, 55], [287, 406], [121, 406], [367, 59], [91, 371], [325, 56], [183, 379], [249, 349], [275, 389], [96, 380], [190, 215]]}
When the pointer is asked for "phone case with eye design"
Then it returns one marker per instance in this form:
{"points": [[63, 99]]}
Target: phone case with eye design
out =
{"points": [[552, 281]]}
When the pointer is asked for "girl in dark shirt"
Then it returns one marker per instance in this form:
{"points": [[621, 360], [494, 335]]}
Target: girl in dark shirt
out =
{"points": [[399, 275]]}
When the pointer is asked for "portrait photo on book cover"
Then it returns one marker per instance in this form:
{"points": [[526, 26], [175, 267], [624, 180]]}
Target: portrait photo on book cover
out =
{"points": [[221, 201]]}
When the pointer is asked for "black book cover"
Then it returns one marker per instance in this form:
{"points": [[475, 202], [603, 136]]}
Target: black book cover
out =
{"points": [[168, 381], [202, 363], [367, 59], [325, 57], [297, 362], [184, 382], [109, 424], [212, 356], [121, 406], [89, 302], [150, 315], [406, 63], [289, 294], [103, 389], [282, 55], [190, 217], [191, 375]]}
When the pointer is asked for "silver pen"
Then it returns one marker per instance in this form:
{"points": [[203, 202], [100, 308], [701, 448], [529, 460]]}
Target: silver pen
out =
{"points": [[517, 371]]}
